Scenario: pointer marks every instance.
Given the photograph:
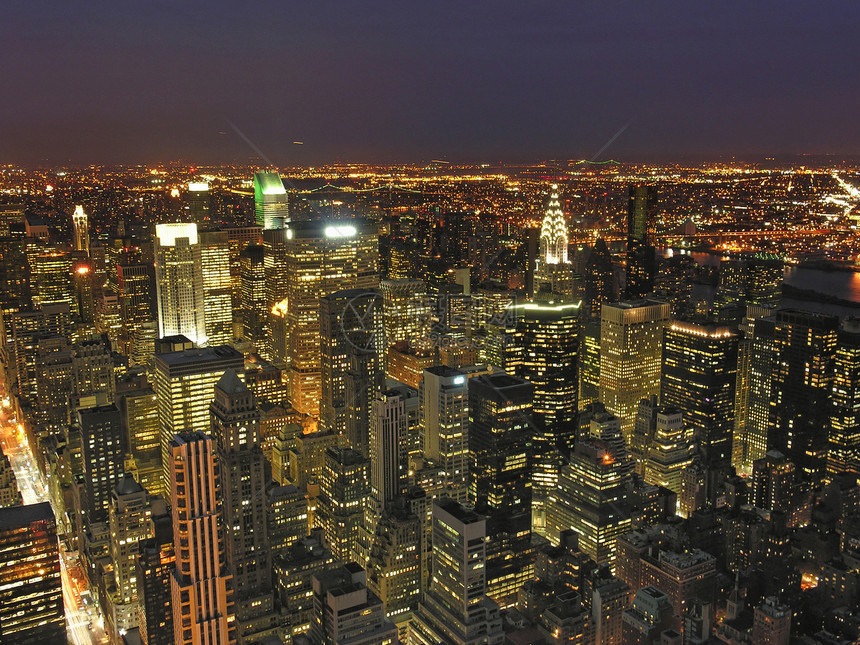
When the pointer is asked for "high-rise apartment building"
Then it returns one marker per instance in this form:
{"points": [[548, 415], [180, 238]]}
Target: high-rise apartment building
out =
{"points": [[772, 623], [631, 339], [444, 396], [455, 608], [179, 282], [270, 200], [31, 593], [641, 239], [217, 287], [184, 387], [154, 569], [321, 258], [235, 428], [202, 590], [699, 375]]}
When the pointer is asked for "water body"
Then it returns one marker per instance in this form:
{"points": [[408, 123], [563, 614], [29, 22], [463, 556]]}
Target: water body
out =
{"points": [[841, 284]]}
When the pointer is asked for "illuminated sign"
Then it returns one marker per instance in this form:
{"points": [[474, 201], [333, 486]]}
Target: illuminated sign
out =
{"points": [[340, 231]]}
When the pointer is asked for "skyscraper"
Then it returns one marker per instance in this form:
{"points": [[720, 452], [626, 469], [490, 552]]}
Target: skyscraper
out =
{"points": [[500, 429], [552, 268], [455, 608], [270, 200], [406, 310], [134, 284], [81, 241], [179, 282], [197, 202], [699, 375], [184, 383], [805, 347], [388, 447], [844, 452], [31, 593], [641, 239], [235, 428], [631, 339], [139, 413], [201, 586], [343, 492], [321, 258], [217, 295], [444, 396], [253, 296], [671, 450], [546, 354], [102, 458], [599, 278]]}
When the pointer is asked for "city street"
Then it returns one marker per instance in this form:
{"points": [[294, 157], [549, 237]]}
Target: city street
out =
{"points": [[83, 622]]}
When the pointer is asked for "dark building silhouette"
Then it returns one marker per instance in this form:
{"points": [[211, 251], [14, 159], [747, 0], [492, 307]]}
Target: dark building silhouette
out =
{"points": [[641, 239]]}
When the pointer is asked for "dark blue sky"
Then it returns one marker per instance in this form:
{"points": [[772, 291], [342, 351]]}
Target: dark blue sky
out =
{"points": [[118, 81]]}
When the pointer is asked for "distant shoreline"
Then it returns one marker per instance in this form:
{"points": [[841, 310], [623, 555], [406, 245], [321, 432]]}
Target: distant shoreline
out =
{"points": [[810, 295]]}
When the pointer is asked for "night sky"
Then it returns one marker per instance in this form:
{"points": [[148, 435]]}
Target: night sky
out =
{"points": [[105, 82]]}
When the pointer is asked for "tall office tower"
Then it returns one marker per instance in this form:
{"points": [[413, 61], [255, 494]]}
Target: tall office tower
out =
{"points": [[129, 522], [156, 558], [11, 216], [644, 428], [641, 240], [14, 273], [753, 280], [31, 592], [674, 284], [631, 339], [592, 500], [650, 616], [844, 451], [286, 516], [444, 396], [217, 288], [340, 508], [236, 430], [805, 347], [774, 481], [772, 623], [500, 429], [184, 383], [756, 364], [254, 300], [82, 285], [670, 451], [553, 271], [102, 459], [346, 611], [141, 350], [547, 348], [589, 363], [54, 385], [455, 608], [51, 278], [350, 332], [599, 279], [698, 377], [322, 258], [270, 200], [179, 282], [201, 586], [743, 386], [240, 238], [394, 564], [138, 408], [406, 310], [93, 369], [388, 447], [134, 282], [81, 241], [197, 202]]}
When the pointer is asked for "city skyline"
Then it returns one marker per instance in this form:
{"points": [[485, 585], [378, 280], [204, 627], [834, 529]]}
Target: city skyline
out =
{"points": [[99, 83]]}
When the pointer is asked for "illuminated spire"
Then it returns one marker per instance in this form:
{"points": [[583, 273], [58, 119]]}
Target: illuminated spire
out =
{"points": [[553, 232]]}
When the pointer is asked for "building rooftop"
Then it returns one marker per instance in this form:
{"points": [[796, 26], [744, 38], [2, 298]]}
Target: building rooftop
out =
{"points": [[199, 355], [230, 383], [16, 517]]}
